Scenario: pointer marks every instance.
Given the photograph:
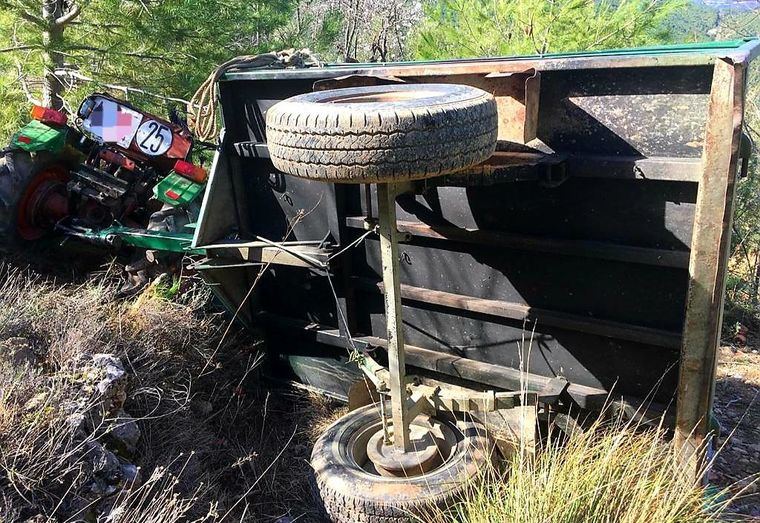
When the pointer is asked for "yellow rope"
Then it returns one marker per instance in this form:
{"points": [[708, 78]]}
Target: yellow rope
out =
{"points": [[202, 111]]}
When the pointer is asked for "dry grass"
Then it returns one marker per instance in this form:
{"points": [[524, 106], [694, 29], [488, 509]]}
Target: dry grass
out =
{"points": [[214, 446], [613, 472], [217, 448]]}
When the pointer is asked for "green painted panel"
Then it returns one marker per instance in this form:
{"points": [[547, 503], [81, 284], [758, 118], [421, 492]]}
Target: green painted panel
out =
{"points": [[36, 136], [177, 190]]}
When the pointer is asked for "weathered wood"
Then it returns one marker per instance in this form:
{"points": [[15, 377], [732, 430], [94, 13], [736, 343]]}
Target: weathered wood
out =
{"points": [[498, 376], [587, 249], [707, 268], [494, 375], [543, 317]]}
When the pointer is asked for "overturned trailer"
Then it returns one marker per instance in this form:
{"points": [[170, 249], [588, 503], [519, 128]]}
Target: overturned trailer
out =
{"points": [[584, 261]]}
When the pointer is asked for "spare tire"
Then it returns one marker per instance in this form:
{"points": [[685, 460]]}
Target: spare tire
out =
{"points": [[384, 133], [352, 491]]}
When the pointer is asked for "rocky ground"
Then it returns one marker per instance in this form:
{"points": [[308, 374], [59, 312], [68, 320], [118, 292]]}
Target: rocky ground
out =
{"points": [[737, 407], [146, 410], [112, 409]]}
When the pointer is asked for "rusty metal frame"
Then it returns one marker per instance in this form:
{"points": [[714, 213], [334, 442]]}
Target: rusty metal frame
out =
{"points": [[396, 367], [516, 64], [707, 267], [714, 175]]}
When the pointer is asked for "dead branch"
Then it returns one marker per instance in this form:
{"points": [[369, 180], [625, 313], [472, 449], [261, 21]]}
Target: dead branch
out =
{"points": [[75, 75], [24, 86], [73, 12], [18, 48], [132, 54]]}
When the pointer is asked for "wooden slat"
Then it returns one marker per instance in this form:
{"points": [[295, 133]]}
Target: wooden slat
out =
{"points": [[588, 249], [543, 317], [490, 374], [498, 376]]}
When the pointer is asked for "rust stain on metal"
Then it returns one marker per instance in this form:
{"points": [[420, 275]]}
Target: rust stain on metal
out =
{"points": [[710, 246]]}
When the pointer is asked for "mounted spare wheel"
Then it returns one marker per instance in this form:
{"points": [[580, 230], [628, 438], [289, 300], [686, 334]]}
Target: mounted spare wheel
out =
{"points": [[361, 479], [33, 197], [386, 133], [370, 469]]}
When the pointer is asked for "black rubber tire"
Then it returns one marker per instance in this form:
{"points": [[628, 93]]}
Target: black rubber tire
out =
{"points": [[398, 133], [17, 170], [352, 495]]}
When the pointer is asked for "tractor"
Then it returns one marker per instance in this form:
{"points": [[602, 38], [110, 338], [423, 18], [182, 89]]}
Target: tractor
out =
{"points": [[115, 176]]}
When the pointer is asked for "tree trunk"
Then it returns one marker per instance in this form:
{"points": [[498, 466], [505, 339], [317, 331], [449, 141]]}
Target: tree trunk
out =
{"points": [[52, 43]]}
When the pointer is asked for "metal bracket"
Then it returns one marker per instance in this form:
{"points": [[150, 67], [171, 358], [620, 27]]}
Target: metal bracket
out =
{"points": [[554, 175], [427, 399]]}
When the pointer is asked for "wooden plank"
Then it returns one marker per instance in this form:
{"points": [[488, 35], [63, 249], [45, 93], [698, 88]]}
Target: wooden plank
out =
{"points": [[490, 374], [543, 317], [588, 249], [498, 376], [707, 268]]}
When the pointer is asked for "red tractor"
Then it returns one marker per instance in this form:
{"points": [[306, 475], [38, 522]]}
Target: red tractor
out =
{"points": [[116, 176]]}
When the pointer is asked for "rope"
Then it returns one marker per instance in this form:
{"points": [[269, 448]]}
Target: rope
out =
{"points": [[202, 110]]}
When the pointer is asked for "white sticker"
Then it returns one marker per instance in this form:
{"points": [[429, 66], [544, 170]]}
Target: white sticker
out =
{"points": [[153, 138], [110, 122]]}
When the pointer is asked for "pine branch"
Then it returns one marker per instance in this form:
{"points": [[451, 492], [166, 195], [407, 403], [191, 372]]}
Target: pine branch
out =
{"points": [[121, 53], [22, 11], [18, 48], [75, 75]]}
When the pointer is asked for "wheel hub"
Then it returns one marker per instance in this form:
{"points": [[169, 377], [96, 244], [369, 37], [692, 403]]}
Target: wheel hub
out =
{"points": [[43, 204], [430, 445]]}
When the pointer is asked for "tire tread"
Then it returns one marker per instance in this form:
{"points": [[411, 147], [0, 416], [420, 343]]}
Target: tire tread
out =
{"points": [[327, 143]]}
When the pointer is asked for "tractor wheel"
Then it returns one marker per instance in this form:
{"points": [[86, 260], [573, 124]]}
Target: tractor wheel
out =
{"points": [[32, 197], [353, 491], [380, 134]]}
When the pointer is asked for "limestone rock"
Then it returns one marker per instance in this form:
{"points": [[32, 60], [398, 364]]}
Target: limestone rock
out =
{"points": [[111, 381]]}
